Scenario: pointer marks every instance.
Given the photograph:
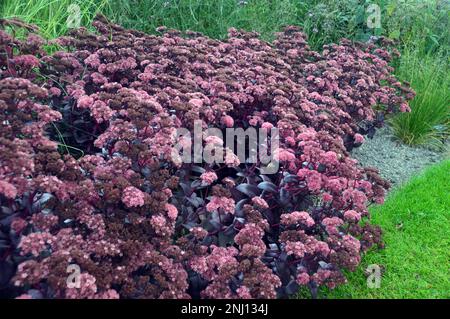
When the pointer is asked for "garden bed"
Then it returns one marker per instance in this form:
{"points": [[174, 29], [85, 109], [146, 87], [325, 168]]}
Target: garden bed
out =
{"points": [[97, 190]]}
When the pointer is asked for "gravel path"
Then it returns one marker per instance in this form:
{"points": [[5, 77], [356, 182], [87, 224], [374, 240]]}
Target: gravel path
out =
{"points": [[395, 161]]}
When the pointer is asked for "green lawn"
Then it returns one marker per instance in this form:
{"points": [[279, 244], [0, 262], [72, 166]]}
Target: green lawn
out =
{"points": [[416, 260]]}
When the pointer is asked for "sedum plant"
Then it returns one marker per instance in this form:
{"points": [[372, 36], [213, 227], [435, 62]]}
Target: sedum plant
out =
{"points": [[140, 224]]}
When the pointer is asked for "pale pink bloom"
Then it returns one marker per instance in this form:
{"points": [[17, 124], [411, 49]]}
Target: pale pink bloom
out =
{"points": [[352, 216], [284, 155], [133, 197], [267, 126], [253, 122], [297, 217], [404, 107], [208, 178], [196, 102], [260, 202], [292, 53], [231, 159], [302, 278], [214, 140], [35, 243], [243, 292], [18, 224], [85, 102], [359, 138], [54, 91], [8, 189], [295, 248], [93, 60], [327, 197], [227, 121], [225, 203], [172, 211]]}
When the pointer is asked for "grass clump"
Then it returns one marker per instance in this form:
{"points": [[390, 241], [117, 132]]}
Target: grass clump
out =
{"points": [[53, 17], [428, 122]]}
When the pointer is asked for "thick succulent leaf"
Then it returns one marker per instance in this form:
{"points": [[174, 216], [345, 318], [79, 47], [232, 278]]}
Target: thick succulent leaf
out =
{"points": [[268, 186], [248, 189]]}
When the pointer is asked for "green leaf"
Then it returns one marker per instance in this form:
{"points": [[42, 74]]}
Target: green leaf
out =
{"points": [[395, 34], [390, 8]]}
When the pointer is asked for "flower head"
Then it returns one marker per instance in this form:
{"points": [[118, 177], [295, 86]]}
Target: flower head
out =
{"points": [[133, 197]]}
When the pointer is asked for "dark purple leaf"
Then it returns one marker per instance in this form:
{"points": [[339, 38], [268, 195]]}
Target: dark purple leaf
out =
{"points": [[248, 189], [268, 186], [198, 169], [292, 287]]}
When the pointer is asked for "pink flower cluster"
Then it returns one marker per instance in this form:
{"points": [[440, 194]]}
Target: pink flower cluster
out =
{"points": [[223, 203], [133, 197], [208, 178], [294, 218]]}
